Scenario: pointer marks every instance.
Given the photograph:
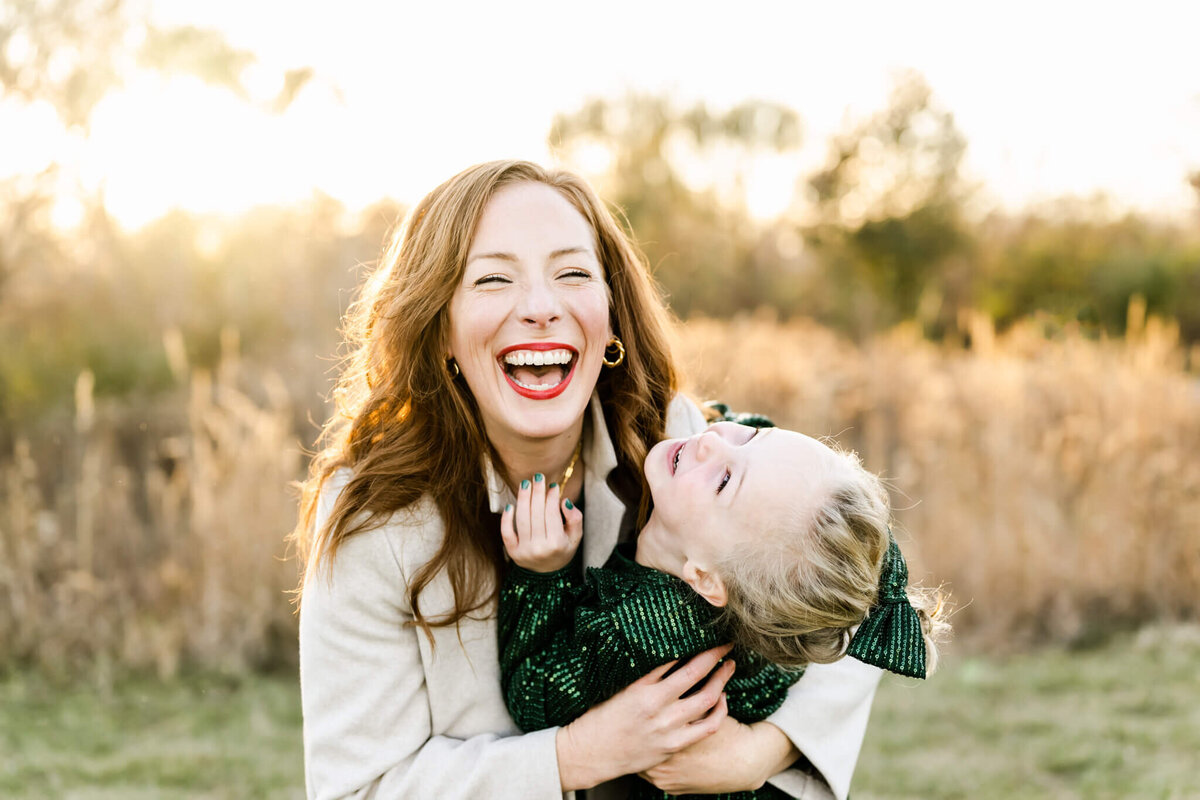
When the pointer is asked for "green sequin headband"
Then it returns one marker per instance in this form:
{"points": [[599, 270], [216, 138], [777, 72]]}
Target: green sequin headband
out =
{"points": [[890, 637]]}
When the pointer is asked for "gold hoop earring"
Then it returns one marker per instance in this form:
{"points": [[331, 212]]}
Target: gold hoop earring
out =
{"points": [[620, 353], [452, 368]]}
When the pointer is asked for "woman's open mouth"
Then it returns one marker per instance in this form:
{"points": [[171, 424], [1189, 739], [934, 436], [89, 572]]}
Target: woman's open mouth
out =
{"points": [[539, 371]]}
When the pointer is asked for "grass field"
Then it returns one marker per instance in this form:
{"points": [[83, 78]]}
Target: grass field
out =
{"points": [[1117, 721]]}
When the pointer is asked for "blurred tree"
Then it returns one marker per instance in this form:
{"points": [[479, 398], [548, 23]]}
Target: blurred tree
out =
{"points": [[703, 247], [71, 53], [1072, 263], [887, 217], [66, 52], [195, 51]]}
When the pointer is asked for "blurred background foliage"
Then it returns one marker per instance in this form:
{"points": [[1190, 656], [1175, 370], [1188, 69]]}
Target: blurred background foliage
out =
{"points": [[157, 385]]}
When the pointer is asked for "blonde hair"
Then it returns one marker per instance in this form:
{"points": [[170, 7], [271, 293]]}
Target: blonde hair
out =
{"points": [[794, 595], [407, 429]]}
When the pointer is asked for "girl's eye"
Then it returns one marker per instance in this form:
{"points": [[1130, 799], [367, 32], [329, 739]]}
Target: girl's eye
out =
{"points": [[575, 273], [498, 279], [724, 480]]}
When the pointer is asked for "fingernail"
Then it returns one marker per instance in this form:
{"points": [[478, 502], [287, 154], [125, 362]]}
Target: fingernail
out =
{"points": [[524, 484], [552, 486], [569, 504], [539, 477], [508, 507]]}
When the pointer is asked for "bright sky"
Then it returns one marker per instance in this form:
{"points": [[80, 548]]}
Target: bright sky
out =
{"points": [[1053, 97]]}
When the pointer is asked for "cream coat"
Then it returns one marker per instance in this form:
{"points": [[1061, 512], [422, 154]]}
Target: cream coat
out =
{"points": [[388, 715]]}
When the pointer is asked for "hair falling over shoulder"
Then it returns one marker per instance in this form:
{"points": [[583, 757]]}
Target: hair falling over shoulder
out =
{"points": [[407, 429]]}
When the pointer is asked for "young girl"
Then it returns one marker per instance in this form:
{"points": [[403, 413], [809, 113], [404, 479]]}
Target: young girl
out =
{"points": [[760, 536]]}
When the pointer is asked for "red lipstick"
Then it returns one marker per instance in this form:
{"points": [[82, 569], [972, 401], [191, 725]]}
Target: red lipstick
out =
{"points": [[539, 394]]}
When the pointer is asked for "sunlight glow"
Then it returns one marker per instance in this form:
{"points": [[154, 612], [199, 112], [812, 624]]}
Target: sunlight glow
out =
{"points": [[392, 117]]}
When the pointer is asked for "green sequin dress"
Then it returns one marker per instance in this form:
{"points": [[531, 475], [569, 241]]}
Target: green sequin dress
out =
{"points": [[568, 643]]}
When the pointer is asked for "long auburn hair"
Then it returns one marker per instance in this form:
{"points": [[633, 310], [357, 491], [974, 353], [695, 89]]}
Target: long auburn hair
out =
{"points": [[406, 429]]}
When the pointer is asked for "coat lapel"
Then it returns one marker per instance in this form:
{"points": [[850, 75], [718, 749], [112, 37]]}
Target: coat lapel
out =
{"points": [[602, 509]]}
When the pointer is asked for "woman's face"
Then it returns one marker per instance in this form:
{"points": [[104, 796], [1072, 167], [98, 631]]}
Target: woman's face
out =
{"points": [[529, 321]]}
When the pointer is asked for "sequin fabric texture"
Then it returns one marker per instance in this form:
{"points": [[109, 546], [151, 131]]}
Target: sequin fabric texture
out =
{"points": [[568, 643]]}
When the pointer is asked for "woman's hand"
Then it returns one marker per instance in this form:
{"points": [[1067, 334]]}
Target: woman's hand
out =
{"points": [[736, 758], [540, 534], [644, 723]]}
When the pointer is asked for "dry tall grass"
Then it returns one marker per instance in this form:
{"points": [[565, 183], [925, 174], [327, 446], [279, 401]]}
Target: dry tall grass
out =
{"points": [[158, 549], [1054, 485]]}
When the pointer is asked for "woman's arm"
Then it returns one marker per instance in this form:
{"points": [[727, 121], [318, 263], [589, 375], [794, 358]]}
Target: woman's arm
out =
{"points": [[367, 720], [368, 724], [824, 719], [825, 716]]}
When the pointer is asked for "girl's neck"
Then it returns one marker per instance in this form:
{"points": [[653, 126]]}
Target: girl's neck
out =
{"points": [[655, 550]]}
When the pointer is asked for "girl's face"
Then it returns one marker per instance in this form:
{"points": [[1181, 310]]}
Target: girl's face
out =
{"points": [[723, 487], [529, 321]]}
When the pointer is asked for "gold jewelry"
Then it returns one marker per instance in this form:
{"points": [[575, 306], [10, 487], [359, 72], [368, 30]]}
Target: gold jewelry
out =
{"points": [[614, 342], [452, 368], [571, 466]]}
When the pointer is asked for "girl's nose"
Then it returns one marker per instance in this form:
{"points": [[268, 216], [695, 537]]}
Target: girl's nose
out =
{"points": [[708, 444], [539, 305]]}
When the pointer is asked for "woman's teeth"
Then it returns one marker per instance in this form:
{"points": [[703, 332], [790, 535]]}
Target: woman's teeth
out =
{"points": [[536, 387], [520, 358], [537, 370]]}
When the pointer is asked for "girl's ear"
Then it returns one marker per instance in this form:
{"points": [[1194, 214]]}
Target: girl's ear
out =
{"points": [[705, 583]]}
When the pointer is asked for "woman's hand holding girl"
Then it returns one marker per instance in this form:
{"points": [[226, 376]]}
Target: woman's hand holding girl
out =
{"points": [[737, 758], [643, 724], [541, 533]]}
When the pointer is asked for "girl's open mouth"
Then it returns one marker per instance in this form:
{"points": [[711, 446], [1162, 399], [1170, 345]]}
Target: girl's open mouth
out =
{"points": [[673, 457], [539, 371]]}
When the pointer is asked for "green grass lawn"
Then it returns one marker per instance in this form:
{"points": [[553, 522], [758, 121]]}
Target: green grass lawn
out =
{"points": [[208, 737], [1118, 721]]}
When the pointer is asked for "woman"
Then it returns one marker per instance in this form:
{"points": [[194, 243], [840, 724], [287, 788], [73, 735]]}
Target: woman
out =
{"points": [[512, 330]]}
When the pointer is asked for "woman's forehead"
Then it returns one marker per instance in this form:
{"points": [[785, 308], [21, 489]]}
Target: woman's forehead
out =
{"points": [[529, 216]]}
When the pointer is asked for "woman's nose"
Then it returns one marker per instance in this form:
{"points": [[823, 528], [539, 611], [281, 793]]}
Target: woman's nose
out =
{"points": [[538, 305]]}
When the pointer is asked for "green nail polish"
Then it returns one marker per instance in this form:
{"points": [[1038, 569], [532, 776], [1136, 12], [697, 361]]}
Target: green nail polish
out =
{"points": [[524, 484], [552, 486], [539, 477], [569, 504], [508, 507]]}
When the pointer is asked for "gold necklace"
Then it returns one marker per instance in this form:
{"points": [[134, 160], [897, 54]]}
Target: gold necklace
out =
{"points": [[571, 466]]}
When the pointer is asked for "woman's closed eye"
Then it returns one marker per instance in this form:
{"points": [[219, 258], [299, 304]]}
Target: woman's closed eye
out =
{"points": [[575, 273], [495, 279]]}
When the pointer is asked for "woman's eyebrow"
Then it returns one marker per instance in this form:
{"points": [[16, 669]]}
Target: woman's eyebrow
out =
{"points": [[501, 256], [559, 253], [570, 251]]}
